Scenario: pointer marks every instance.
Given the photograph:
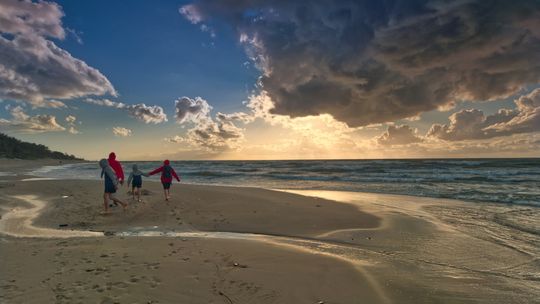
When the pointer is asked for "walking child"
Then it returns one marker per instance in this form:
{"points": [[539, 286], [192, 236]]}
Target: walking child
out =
{"points": [[167, 174], [111, 185], [135, 180]]}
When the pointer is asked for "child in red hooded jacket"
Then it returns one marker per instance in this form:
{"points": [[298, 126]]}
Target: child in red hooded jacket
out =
{"points": [[167, 174], [117, 167]]}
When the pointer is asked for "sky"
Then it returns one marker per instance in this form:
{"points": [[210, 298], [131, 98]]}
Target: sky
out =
{"points": [[254, 79]]}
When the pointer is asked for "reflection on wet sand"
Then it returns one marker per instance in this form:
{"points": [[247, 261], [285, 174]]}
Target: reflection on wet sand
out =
{"points": [[460, 249], [18, 222]]}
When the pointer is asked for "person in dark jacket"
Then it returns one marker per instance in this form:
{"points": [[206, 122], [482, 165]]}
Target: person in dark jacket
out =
{"points": [[167, 174], [111, 185], [135, 181]]}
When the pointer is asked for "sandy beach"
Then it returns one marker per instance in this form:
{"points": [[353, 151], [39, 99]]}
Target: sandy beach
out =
{"points": [[213, 244]]}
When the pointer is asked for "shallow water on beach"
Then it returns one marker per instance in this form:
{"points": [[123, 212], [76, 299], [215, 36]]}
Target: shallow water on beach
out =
{"points": [[509, 181], [505, 230], [442, 242]]}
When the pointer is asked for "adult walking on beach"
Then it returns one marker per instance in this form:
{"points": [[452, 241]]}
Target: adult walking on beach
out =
{"points": [[167, 174], [117, 167], [111, 185]]}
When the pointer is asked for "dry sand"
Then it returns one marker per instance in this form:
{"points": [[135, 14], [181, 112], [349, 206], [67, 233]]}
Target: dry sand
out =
{"points": [[247, 245]]}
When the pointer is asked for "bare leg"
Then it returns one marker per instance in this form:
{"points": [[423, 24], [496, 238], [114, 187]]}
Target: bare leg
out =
{"points": [[124, 205], [133, 192], [165, 192], [106, 202], [138, 194]]}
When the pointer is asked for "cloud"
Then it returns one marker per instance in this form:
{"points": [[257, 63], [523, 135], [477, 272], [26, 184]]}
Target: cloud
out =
{"points": [[76, 35], [51, 103], [235, 117], [191, 13], [105, 103], [70, 120], [529, 101], [121, 132], [32, 67], [399, 135], [175, 139], [191, 110], [473, 124], [319, 136], [147, 114], [22, 122], [366, 62], [213, 135]]}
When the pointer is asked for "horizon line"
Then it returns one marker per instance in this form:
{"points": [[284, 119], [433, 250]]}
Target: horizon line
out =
{"points": [[331, 159]]}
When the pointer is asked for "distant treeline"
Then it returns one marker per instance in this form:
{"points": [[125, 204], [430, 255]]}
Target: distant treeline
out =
{"points": [[13, 148]]}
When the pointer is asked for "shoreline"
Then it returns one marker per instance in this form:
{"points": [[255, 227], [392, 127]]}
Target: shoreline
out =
{"points": [[283, 185], [336, 247]]}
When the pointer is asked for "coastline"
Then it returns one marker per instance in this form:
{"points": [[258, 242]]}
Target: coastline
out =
{"points": [[289, 248], [505, 181]]}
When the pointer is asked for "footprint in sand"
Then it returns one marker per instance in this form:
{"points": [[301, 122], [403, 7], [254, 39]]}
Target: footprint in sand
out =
{"points": [[134, 279], [107, 300], [152, 266], [121, 285], [154, 282]]}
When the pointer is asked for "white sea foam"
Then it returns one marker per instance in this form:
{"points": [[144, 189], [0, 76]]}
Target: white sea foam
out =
{"points": [[514, 181]]}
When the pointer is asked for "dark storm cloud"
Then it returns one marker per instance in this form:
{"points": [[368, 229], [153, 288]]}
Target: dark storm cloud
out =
{"points": [[368, 62]]}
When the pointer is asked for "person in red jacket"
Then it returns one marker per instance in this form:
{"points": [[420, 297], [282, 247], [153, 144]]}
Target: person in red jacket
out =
{"points": [[117, 167], [167, 174]]}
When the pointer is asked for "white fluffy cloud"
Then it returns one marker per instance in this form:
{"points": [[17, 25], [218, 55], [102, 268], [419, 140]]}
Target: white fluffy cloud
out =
{"points": [[147, 114], [473, 124], [208, 134], [121, 132], [22, 122], [175, 139], [33, 68], [215, 136], [399, 135], [71, 120], [191, 110]]}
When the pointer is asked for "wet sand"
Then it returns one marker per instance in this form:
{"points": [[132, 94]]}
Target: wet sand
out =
{"points": [[247, 245]]}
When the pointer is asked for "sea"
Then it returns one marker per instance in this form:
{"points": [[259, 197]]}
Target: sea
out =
{"points": [[504, 181]]}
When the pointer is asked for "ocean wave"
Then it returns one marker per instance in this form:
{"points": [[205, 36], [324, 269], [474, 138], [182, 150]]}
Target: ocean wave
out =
{"points": [[508, 181]]}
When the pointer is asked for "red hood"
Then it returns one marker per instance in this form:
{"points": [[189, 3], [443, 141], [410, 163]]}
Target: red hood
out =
{"points": [[112, 156], [166, 162]]}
